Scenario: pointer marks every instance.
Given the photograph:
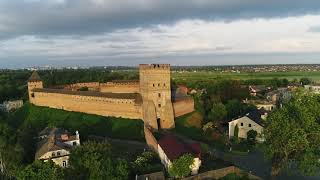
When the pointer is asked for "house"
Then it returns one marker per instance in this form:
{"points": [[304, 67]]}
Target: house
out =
{"points": [[279, 95], [251, 121], [313, 88], [8, 106], [260, 104], [294, 85], [170, 148], [183, 89], [55, 144], [255, 90]]}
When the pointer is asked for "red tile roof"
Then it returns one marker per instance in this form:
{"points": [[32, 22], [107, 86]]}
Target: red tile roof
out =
{"points": [[175, 148]]}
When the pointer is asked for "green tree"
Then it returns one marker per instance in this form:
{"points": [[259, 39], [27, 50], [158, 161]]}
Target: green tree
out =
{"points": [[10, 152], [41, 171], [181, 167], [251, 136], [293, 135], [217, 113], [94, 160], [305, 81], [236, 131]]}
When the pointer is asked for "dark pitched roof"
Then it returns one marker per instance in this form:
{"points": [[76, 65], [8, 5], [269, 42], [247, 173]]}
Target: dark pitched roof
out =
{"points": [[256, 116], [50, 144], [52, 141], [34, 77], [136, 96], [174, 148]]}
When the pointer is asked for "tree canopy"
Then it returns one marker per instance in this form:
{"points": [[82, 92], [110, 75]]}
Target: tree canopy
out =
{"points": [[293, 135], [217, 113], [41, 171], [181, 167], [94, 160]]}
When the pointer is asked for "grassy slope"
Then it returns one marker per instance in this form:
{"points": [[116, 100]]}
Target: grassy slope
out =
{"points": [[40, 117]]}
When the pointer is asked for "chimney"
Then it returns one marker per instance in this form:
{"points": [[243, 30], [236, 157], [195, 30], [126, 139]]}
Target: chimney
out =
{"points": [[77, 135]]}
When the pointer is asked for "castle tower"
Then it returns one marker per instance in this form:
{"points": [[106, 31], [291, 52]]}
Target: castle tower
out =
{"points": [[156, 94], [34, 82]]}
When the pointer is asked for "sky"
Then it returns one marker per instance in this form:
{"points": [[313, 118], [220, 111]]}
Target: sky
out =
{"points": [[179, 32]]}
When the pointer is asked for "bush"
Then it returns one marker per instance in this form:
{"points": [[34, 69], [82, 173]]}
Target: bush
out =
{"points": [[181, 166], [251, 136]]}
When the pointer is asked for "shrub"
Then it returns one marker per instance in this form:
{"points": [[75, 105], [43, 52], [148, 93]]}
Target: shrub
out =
{"points": [[181, 167]]}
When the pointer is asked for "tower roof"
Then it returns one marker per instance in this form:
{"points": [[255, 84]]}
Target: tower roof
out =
{"points": [[34, 77]]}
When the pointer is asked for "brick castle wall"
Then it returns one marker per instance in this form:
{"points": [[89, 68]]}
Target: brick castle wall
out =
{"points": [[150, 139], [92, 105], [219, 173], [182, 107], [125, 87]]}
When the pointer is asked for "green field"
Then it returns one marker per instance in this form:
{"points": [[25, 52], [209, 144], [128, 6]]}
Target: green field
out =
{"points": [[211, 75]]}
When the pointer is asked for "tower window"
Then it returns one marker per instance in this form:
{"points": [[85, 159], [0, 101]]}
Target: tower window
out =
{"points": [[32, 95], [164, 84], [241, 124], [159, 105], [153, 85], [249, 125], [159, 94], [159, 84]]}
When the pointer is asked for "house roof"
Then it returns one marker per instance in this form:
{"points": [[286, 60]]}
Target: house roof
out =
{"points": [[34, 77], [135, 96], [256, 116], [53, 141], [174, 148], [50, 144]]}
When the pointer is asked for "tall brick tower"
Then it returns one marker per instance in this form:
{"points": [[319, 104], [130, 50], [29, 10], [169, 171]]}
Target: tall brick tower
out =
{"points": [[156, 94], [34, 82]]}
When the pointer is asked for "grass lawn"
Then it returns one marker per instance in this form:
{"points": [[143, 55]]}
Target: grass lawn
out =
{"points": [[211, 75]]}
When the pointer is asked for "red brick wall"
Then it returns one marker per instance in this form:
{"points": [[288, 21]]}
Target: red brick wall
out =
{"points": [[150, 139], [182, 107]]}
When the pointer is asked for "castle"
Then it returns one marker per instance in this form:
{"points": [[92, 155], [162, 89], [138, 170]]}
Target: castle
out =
{"points": [[148, 98]]}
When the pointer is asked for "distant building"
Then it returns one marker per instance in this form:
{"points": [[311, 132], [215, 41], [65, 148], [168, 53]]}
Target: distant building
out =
{"points": [[313, 88], [183, 89], [251, 121], [55, 144], [266, 105], [11, 105], [255, 90], [170, 149], [280, 95]]}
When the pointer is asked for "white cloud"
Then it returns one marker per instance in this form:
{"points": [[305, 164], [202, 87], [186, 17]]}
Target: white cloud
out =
{"points": [[183, 38]]}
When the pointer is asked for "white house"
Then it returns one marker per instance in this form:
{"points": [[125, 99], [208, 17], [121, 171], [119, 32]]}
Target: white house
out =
{"points": [[251, 121], [11, 105], [313, 88], [55, 144], [260, 104], [170, 149]]}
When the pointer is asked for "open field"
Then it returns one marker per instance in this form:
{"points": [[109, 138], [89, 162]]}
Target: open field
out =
{"points": [[211, 75]]}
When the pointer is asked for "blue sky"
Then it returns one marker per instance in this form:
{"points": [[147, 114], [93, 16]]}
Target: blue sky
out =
{"points": [[126, 32]]}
